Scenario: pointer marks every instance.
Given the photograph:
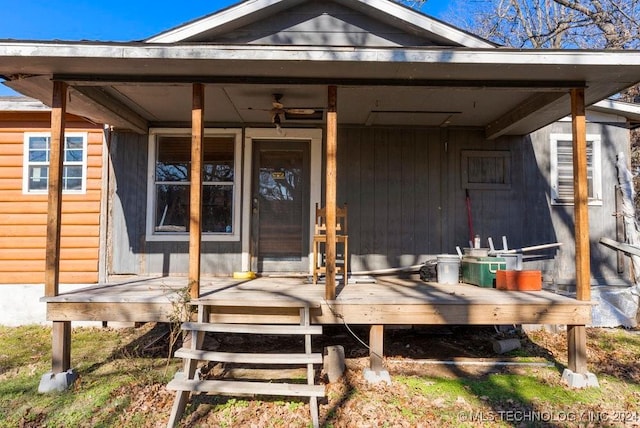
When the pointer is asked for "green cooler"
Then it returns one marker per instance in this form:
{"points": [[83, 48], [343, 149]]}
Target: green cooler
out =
{"points": [[482, 270]]}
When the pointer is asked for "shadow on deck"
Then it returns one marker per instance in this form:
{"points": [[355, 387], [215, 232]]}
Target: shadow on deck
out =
{"points": [[388, 300]]}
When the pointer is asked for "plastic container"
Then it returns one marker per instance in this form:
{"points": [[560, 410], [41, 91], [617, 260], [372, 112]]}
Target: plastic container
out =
{"points": [[481, 271], [519, 280], [448, 268], [476, 252], [514, 261]]}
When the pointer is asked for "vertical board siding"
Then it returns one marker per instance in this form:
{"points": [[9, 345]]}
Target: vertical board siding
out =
{"points": [[315, 23], [23, 217], [129, 251], [406, 202], [602, 222]]}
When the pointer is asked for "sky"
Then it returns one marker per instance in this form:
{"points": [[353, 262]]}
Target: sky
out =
{"points": [[111, 20]]}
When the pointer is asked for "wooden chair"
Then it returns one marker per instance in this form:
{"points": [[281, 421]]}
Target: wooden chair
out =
{"points": [[320, 242]]}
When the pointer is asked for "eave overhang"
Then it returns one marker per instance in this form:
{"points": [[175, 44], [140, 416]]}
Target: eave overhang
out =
{"points": [[30, 66]]}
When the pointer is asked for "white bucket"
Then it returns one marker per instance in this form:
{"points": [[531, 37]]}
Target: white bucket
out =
{"points": [[448, 268]]}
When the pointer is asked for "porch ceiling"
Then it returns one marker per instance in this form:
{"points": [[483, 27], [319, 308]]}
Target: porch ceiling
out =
{"points": [[140, 85]]}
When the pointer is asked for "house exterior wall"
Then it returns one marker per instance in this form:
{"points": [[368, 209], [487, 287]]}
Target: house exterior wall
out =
{"points": [[315, 24], [602, 220], [406, 195], [128, 250], [23, 217]]}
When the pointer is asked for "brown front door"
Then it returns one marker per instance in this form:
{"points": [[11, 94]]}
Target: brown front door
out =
{"points": [[280, 229]]}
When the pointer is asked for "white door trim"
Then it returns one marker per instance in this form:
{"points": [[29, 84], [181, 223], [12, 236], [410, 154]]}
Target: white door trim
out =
{"points": [[314, 136]]}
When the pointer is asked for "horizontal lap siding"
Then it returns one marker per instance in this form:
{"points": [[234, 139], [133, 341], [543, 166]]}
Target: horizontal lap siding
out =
{"points": [[23, 218]]}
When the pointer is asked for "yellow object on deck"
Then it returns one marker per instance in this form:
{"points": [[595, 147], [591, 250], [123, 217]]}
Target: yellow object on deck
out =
{"points": [[244, 275]]}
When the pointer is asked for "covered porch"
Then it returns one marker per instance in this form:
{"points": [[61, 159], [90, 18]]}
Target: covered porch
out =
{"points": [[384, 300], [199, 80]]}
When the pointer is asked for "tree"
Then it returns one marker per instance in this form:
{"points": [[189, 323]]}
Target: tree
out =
{"points": [[595, 24]]}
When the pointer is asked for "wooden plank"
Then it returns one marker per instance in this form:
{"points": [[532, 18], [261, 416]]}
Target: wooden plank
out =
{"points": [[40, 241], [376, 348], [225, 387], [61, 346], [11, 183], [629, 250], [11, 172], [249, 358], [90, 197], [462, 313], [18, 206], [54, 202], [26, 265], [330, 192], [195, 204], [580, 186], [125, 312], [39, 254], [577, 348], [69, 219], [521, 112], [576, 334], [38, 277], [253, 328]]}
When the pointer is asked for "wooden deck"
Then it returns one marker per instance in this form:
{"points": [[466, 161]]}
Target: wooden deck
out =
{"points": [[390, 300]]}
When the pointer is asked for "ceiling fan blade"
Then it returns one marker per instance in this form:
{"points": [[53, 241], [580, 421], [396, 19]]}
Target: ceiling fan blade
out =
{"points": [[300, 111]]}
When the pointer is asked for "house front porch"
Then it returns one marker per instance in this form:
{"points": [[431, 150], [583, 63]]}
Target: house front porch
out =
{"points": [[386, 300]]}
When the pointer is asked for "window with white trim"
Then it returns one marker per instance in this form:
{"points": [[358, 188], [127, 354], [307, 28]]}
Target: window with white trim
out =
{"points": [[37, 151], [562, 169], [169, 186]]}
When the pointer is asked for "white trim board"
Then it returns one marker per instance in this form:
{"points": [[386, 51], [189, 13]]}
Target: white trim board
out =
{"points": [[314, 136]]}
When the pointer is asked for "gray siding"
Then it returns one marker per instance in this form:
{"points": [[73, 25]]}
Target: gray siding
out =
{"points": [[129, 251], [406, 200], [602, 222], [320, 24]]}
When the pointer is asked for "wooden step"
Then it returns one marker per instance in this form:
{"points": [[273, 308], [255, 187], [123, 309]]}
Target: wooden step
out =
{"points": [[267, 302], [284, 329], [226, 387], [249, 358]]}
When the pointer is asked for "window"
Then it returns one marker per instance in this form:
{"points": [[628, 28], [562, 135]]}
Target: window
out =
{"points": [[486, 169], [169, 185], [562, 169], [37, 148]]}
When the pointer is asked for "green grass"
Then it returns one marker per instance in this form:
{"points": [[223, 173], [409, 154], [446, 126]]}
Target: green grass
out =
{"points": [[122, 385], [98, 356]]}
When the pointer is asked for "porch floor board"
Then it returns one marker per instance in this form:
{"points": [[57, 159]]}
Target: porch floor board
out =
{"points": [[390, 300]]}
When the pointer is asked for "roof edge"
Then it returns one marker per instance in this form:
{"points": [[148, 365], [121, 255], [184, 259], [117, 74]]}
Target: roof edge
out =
{"points": [[395, 10]]}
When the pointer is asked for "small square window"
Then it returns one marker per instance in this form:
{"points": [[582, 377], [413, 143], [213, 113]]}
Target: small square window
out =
{"points": [[486, 169]]}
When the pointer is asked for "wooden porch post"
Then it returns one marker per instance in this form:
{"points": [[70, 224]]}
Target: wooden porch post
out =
{"points": [[577, 334], [195, 205], [330, 195], [54, 201], [61, 332], [376, 348]]}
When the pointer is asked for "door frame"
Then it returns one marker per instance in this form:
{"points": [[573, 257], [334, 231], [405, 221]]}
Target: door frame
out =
{"points": [[314, 137]]}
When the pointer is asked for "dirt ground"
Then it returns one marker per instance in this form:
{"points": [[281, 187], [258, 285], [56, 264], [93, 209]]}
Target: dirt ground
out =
{"points": [[403, 347]]}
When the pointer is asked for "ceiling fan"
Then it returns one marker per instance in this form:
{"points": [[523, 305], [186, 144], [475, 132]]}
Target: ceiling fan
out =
{"points": [[279, 111]]}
